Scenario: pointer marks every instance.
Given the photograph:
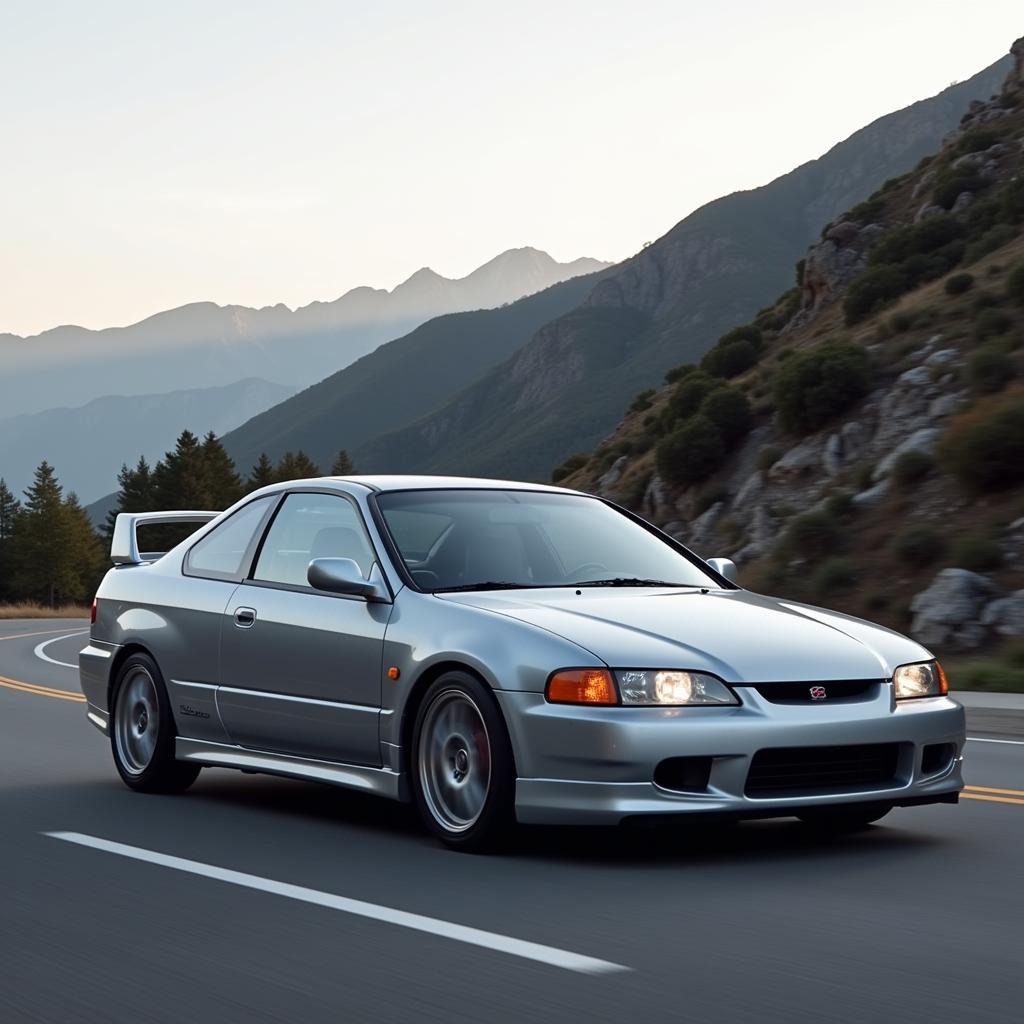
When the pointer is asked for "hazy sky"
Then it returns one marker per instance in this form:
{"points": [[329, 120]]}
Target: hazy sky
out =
{"points": [[153, 154]]}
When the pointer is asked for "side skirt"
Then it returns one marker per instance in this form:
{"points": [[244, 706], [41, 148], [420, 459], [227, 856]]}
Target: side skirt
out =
{"points": [[380, 781]]}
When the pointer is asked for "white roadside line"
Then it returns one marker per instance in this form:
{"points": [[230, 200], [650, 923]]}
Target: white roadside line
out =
{"points": [[432, 926], [985, 739], [40, 649]]}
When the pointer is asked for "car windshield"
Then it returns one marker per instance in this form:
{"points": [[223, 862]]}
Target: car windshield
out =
{"points": [[496, 539]]}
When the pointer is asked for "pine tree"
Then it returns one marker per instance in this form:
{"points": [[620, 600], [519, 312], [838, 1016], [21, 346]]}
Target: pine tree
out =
{"points": [[9, 508], [90, 553], [179, 479], [135, 493], [342, 464], [262, 473], [296, 466], [48, 550], [223, 484]]}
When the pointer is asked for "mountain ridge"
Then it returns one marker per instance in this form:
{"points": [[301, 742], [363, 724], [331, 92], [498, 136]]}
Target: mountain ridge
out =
{"points": [[568, 385], [218, 345]]}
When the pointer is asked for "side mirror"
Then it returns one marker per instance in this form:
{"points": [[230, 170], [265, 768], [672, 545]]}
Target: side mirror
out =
{"points": [[724, 567], [343, 576]]}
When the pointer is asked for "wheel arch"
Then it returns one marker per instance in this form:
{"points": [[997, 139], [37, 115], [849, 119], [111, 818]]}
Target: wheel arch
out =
{"points": [[115, 667], [414, 700]]}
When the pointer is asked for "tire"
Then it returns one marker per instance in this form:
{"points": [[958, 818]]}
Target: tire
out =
{"points": [[142, 731], [462, 767], [844, 817]]}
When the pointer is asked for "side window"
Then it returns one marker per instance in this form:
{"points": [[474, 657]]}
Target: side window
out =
{"points": [[221, 553], [309, 526]]}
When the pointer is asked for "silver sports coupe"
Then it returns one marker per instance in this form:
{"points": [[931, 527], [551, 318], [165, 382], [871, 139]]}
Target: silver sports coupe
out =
{"points": [[498, 652]]}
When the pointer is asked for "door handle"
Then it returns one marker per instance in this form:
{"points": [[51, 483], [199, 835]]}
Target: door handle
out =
{"points": [[245, 618]]}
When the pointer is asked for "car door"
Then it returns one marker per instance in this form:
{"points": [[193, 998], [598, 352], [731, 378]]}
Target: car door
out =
{"points": [[192, 608], [301, 668]]}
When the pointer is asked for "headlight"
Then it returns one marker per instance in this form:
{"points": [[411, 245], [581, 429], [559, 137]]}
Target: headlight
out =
{"points": [[670, 687], [925, 679]]}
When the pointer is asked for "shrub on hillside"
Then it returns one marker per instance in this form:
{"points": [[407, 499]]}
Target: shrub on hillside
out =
{"points": [[734, 352], [875, 288], [918, 546], [729, 410], [571, 464], [991, 323], [768, 456], [958, 284], [730, 360], [1015, 284], [985, 447], [994, 238], [990, 369], [834, 575], [813, 535], [820, 383], [691, 453], [977, 552], [901, 321], [976, 140], [677, 373], [911, 467], [953, 182], [642, 402], [688, 394]]}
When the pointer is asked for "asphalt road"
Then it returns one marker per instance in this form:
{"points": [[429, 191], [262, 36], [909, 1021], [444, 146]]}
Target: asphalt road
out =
{"points": [[916, 919]]}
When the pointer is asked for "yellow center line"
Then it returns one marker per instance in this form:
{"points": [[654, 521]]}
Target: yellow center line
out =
{"points": [[41, 632], [994, 799], [991, 789], [41, 691]]}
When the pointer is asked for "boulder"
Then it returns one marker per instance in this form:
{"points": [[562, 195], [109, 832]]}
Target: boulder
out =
{"points": [[800, 459], [945, 405], [962, 202], [1005, 614], [924, 440], [832, 455], [751, 488], [943, 357], [613, 475], [855, 439], [926, 211], [657, 498], [872, 496], [949, 610], [702, 528]]}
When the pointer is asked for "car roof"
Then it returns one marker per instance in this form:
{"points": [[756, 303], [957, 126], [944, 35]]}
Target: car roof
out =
{"points": [[414, 482]]}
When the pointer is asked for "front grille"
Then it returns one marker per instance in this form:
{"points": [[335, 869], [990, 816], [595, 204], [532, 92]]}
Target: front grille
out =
{"points": [[806, 771], [842, 692]]}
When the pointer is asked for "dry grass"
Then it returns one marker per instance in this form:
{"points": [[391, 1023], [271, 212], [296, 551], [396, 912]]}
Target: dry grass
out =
{"points": [[39, 611]]}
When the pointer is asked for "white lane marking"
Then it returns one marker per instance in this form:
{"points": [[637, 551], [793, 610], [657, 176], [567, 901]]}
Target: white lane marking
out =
{"points": [[432, 926], [40, 649], [985, 739]]}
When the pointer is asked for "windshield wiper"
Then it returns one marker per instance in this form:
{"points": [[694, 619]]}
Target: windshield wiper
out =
{"points": [[486, 585], [627, 581]]}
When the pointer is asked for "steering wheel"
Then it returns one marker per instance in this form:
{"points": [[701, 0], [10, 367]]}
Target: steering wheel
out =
{"points": [[582, 570]]}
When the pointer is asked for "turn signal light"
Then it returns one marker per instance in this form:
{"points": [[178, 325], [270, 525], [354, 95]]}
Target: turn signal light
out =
{"points": [[943, 680], [582, 686]]}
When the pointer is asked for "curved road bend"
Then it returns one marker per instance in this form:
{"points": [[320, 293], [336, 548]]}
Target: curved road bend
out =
{"points": [[254, 899]]}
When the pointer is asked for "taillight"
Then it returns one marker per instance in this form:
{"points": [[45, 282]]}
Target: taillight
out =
{"points": [[92, 613]]}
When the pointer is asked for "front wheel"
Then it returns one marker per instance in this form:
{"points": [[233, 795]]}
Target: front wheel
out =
{"points": [[463, 773], [142, 731], [844, 817]]}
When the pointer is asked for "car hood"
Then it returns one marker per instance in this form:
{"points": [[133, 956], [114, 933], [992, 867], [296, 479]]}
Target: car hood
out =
{"points": [[737, 635]]}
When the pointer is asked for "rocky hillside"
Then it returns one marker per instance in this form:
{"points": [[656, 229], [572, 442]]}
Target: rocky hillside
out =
{"points": [[568, 386], [861, 442]]}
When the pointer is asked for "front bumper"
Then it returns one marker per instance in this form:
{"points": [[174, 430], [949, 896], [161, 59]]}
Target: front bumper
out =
{"points": [[580, 765]]}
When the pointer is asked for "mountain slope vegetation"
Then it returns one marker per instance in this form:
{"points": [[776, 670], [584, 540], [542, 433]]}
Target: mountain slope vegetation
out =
{"points": [[861, 442]]}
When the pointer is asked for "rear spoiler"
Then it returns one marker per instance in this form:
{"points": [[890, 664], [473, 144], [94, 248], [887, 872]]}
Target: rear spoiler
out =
{"points": [[124, 548]]}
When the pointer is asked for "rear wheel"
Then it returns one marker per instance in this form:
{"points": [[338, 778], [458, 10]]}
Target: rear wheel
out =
{"points": [[844, 817], [142, 731], [463, 774]]}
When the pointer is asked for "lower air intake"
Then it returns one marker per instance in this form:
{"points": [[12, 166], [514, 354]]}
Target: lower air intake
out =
{"points": [[807, 771]]}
